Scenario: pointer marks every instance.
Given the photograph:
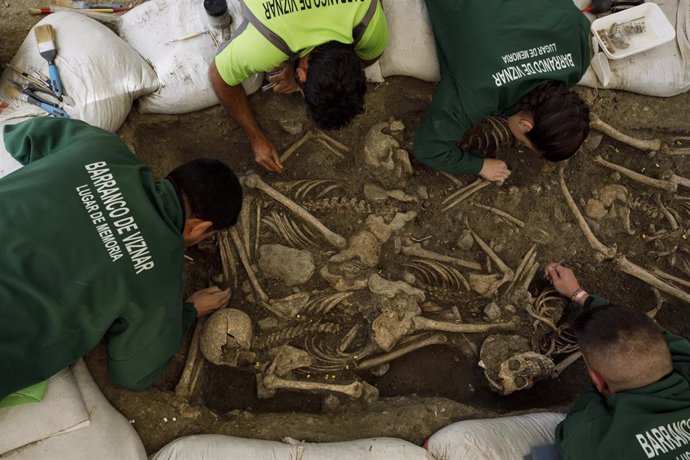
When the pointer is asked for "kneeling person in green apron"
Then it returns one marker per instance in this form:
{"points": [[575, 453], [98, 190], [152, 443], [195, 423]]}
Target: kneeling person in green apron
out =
{"points": [[93, 246], [514, 60], [315, 47]]}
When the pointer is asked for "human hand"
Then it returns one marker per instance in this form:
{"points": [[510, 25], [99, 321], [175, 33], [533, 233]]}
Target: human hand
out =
{"points": [[563, 279], [267, 155], [495, 170], [209, 300], [284, 79]]}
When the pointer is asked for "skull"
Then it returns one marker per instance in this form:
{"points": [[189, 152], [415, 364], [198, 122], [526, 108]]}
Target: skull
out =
{"points": [[227, 333], [383, 155], [521, 371]]}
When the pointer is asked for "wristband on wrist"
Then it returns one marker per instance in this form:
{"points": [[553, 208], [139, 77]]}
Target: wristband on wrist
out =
{"points": [[578, 295]]}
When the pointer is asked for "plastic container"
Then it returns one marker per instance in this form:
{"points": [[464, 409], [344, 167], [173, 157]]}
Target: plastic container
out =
{"points": [[634, 30]]}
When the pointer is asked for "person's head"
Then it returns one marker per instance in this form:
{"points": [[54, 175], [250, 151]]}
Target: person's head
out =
{"points": [[551, 120], [622, 347], [333, 84], [212, 197]]}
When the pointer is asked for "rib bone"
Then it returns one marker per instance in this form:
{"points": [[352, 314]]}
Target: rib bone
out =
{"points": [[421, 323], [273, 382], [597, 123], [464, 193], [255, 182]]}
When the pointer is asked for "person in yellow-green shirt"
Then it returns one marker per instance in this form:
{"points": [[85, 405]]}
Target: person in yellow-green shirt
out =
{"points": [[316, 47]]}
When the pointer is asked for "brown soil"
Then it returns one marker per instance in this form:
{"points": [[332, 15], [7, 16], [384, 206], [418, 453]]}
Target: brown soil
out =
{"points": [[438, 385]]}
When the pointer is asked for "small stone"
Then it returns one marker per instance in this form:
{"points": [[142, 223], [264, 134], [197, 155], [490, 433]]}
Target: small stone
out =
{"points": [[465, 242], [615, 176], [174, 419], [165, 419], [381, 370], [423, 192], [492, 311], [397, 125], [397, 244], [292, 266], [291, 126], [269, 323], [513, 190], [595, 209], [409, 278]]}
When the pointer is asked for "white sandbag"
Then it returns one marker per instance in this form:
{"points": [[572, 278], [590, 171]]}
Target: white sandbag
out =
{"points": [[182, 66], [7, 162], [80, 423], [101, 75], [219, 447], [494, 439], [411, 50], [662, 71]]}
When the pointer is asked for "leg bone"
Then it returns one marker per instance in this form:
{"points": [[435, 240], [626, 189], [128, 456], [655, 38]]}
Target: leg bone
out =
{"points": [[416, 250], [640, 273], [260, 294], [255, 182], [425, 324], [435, 339], [641, 178], [273, 382], [646, 145]]}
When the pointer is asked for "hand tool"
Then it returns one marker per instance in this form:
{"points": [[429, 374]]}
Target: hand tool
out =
{"points": [[598, 6], [45, 38], [51, 109]]}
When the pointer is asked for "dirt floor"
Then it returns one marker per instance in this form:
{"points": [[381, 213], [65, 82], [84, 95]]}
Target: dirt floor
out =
{"points": [[434, 386]]}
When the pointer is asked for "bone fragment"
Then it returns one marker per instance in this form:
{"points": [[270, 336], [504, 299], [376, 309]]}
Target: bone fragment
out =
{"points": [[526, 260], [325, 137], [666, 185], [257, 237], [416, 250], [258, 291], [193, 365], [421, 323], [670, 277], [669, 217], [245, 225], [563, 365], [227, 257], [490, 252], [293, 148], [673, 177], [462, 194], [605, 251], [273, 382], [646, 145], [330, 148], [503, 214], [531, 273], [255, 182], [435, 339], [452, 178], [638, 272], [349, 338]]}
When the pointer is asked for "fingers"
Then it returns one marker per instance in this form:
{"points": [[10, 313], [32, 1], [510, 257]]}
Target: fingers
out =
{"points": [[271, 163]]}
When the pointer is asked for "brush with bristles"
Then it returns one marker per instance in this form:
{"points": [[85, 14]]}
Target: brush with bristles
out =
{"points": [[45, 39], [51, 109]]}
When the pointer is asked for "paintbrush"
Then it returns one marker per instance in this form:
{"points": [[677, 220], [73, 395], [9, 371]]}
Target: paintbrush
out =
{"points": [[15, 93], [28, 77], [45, 39]]}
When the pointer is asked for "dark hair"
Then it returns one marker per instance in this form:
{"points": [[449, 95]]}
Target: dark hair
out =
{"points": [[211, 189], [561, 120], [602, 326], [335, 86]]}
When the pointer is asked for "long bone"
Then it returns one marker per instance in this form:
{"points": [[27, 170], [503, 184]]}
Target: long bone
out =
{"points": [[676, 179], [245, 225], [193, 365], [605, 251], [421, 323], [597, 123], [662, 274], [416, 250], [464, 193], [273, 382], [227, 258], [640, 273], [666, 185], [255, 182], [508, 274], [435, 339], [322, 138], [503, 214], [260, 294], [528, 259]]}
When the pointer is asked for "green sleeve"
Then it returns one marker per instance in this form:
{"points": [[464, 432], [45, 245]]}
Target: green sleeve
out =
{"points": [[444, 124], [34, 139], [246, 54], [594, 301], [135, 360], [574, 434], [375, 38]]}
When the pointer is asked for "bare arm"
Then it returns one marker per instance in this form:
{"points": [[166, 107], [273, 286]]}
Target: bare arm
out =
{"points": [[234, 101]]}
